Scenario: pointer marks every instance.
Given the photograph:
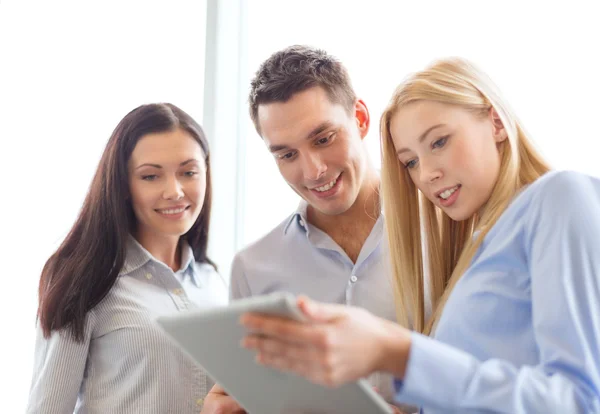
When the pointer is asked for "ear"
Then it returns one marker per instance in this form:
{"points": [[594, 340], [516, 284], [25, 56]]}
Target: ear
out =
{"points": [[363, 119], [499, 131]]}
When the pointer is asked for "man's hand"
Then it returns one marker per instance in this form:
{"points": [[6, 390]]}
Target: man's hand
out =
{"points": [[217, 401]]}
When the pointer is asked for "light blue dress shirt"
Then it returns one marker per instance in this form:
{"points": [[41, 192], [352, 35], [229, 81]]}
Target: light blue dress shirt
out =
{"points": [[126, 363], [299, 258], [520, 332]]}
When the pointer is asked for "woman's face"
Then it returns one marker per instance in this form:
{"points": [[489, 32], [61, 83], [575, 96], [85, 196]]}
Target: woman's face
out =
{"points": [[451, 154], [167, 181]]}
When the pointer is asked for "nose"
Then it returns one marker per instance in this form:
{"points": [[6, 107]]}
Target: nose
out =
{"points": [[173, 189], [313, 166], [429, 171]]}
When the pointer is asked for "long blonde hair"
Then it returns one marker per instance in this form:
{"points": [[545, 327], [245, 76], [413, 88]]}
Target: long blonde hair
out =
{"points": [[450, 244]]}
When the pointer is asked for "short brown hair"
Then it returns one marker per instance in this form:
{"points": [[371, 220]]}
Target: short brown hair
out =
{"points": [[295, 69]]}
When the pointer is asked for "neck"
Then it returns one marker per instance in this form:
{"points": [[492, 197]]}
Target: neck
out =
{"points": [[164, 248], [364, 211]]}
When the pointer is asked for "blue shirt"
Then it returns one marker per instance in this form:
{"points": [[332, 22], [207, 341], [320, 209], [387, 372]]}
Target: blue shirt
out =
{"points": [[126, 363], [299, 258], [520, 332]]}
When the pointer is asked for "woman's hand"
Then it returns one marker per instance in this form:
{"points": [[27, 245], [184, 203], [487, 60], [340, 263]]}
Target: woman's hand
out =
{"points": [[339, 344], [217, 401]]}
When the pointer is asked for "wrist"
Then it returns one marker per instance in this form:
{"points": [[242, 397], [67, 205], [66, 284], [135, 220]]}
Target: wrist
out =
{"points": [[394, 350]]}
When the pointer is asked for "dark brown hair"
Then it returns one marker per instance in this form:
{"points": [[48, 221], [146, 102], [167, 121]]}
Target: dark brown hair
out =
{"points": [[294, 70], [86, 265]]}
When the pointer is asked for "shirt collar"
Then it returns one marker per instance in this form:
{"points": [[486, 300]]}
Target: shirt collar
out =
{"points": [[137, 256], [187, 263], [187, 255], [299, 217]]}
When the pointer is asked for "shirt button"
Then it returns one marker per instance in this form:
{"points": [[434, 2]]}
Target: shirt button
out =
{"points": [[178, 292], [199, 401], [148, 276], [353, 279], [301, 222]]}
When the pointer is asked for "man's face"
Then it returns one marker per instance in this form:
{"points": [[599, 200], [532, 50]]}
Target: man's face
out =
{"points": [[318, 147]]}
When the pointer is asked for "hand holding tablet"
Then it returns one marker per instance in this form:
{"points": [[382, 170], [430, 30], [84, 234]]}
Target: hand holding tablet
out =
{"points": [[213, 337]]}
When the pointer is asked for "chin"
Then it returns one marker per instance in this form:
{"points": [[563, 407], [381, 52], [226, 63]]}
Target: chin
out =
{"points": [[459, 215], [176, 230]]}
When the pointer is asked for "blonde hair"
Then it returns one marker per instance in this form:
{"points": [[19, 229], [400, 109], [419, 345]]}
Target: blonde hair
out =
{"points": [[450, 244]]}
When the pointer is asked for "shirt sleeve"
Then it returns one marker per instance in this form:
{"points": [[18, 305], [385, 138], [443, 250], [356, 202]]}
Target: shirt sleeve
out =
{"points": [[238, 287], [563, 237], [59, 366]]}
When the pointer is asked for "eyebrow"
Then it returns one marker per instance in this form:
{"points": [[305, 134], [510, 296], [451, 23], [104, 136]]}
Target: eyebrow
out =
{"points": [[319, 129], [160, 166], [421, 137]]}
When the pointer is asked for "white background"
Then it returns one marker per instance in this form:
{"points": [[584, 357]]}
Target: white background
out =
{"points": [[545, 57], [69, 71]]}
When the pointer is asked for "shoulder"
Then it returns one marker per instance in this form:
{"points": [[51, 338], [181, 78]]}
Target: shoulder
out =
{"points": [[271, 243], [566, 180], [562, 199], [563, 190]]}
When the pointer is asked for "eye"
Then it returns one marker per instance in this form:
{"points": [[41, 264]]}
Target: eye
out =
{"points": [[411, 164], [149, 177], [190, 173], [287, 155], [325, 140], [440, 142]]}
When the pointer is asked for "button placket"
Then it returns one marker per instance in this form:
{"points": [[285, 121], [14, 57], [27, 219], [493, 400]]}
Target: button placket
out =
{"points": [[200, 385], [180, 298], [350, 287], [349, 294], [172, 287]]}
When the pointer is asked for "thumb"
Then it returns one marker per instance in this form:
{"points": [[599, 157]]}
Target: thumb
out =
{"points": [[229, 405], [217, 389], [320, 312]]}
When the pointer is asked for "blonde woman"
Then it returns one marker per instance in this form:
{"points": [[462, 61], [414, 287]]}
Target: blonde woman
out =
{"points": [[513, 260]]}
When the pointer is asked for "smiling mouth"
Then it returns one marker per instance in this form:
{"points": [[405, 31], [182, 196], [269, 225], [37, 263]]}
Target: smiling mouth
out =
{"points": [[172, 211], [444, 195], [327, 186]]}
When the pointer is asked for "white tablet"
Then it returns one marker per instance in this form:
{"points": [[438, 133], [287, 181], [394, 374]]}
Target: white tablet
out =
{"points": [[212, 337]]}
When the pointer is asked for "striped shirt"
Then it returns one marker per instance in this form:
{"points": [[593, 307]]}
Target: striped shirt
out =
{"points": [[126, 364]]}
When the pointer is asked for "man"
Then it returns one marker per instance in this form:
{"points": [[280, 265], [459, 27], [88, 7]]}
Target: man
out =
{"points": [[332, 248]]}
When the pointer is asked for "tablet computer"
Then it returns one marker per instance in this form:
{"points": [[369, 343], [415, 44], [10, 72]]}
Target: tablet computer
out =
{"points": [[212, 338]]}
